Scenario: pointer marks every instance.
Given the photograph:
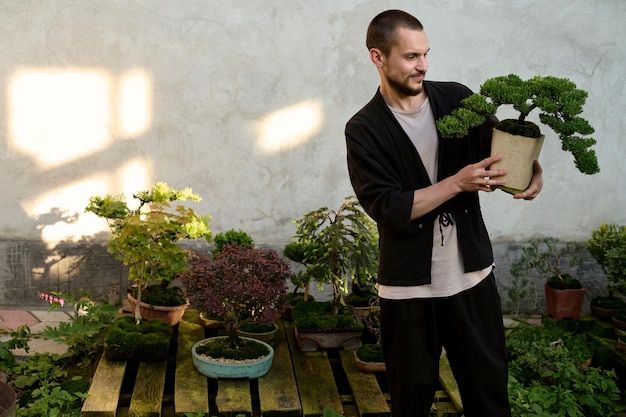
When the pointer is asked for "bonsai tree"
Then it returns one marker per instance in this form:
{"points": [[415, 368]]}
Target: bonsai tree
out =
{"points": [[548, 259], [339, 246], [145, 238], [240, 284], [232, 236], [558, 101]]}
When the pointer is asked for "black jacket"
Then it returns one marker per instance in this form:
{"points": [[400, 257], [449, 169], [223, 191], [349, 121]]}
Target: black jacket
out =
{"points": [[385, 169]]}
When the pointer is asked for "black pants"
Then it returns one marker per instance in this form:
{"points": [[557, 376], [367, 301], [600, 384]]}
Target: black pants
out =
{"points": [[469, 326]]}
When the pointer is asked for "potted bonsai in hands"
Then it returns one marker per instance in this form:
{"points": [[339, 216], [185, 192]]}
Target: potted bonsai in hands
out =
{"points": [[546, 258], [239, 285], [339, 246], [145, 240], [559, 103], [607, 245]]}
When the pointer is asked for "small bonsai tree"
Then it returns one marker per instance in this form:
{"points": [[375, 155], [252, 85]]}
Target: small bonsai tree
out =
{"points": [[232, 236], [145, 238], [548, 257], [239, 282], [339, 246], [558, 99], [545, 259]]}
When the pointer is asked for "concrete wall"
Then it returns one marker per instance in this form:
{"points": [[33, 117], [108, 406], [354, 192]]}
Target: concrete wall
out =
{"points": [[246, 101]]}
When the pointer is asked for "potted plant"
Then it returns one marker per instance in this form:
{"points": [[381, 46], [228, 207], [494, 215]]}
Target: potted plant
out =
{"points": [[369, 356], [603, 245], [145, 240], [546, 258], [339, 246], [559, 103], [238, 285]]}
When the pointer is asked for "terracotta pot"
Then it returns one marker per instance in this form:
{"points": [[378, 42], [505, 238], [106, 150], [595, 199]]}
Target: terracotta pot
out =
{"points": [[564, 304], [619, 324], [621, 344], [171, 315], [369, 367], [518, 154], [8, 400], [603, 313]]}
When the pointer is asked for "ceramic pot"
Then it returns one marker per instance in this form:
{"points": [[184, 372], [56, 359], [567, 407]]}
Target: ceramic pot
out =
{"points": [[267, 337], [171, 315], [369, 367], [8, 401], [518, 154], [219, 369], [313, 341]]}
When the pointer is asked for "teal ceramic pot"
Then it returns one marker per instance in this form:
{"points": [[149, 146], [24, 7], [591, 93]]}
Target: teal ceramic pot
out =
{"points": [[217, 369]]}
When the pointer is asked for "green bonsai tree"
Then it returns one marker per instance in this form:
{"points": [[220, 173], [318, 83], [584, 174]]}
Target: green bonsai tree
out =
{"points": [[606, 246], [232, 236], [339, 246], [558, 100], [145, 238]]}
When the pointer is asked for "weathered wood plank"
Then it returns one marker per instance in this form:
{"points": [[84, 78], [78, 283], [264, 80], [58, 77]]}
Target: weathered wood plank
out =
{"points": [[278, 392], [190, 386], [147, 398], [369, 399], [104, 392], [447, 381], [233, 397], [315, 379]]}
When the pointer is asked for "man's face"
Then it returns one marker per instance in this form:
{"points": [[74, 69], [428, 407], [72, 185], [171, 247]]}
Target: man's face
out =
{"points": [[406, 65]]}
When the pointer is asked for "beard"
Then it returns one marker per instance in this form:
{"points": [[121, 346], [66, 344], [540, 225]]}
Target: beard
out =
{"points": [[403, 88]]}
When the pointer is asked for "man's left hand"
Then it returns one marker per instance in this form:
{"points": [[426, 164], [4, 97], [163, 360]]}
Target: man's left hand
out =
{"points": [[536, 184]]}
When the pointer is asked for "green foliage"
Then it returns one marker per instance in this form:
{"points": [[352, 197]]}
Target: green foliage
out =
{"points": [[558, 101], [544, 260], [148, 340], [318, 317], [232, 236], [161, 295], [338, 246], [548, 375], [18, 340], [84, 333], [616, 266], [607, 245], [145, 239]]}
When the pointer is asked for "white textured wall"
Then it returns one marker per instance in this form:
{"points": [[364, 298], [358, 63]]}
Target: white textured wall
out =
{"points": [[246, 101]]}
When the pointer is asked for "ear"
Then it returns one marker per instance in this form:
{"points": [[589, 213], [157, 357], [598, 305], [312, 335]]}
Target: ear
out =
{"points": [[377, 57]]}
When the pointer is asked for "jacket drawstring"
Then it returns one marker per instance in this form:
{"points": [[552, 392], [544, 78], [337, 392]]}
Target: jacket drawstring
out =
{"points": [[445, 219]]}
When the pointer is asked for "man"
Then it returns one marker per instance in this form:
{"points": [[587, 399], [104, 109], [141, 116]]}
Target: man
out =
{"points": [[435, 282]]}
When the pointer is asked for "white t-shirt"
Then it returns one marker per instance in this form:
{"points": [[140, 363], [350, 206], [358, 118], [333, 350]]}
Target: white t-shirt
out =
{"points": [[447, 272]]}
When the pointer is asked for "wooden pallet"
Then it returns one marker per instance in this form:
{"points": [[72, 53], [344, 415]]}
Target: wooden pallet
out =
{"points": [[299, 384]]}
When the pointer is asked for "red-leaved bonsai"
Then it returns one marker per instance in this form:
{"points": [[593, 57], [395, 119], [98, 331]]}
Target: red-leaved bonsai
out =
{"points": [[240, 284]]}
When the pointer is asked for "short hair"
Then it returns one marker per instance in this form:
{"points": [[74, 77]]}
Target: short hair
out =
{"points": [[381, 32]]}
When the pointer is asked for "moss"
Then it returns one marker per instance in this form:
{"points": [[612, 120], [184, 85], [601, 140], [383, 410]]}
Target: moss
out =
{"points": [[372, 353], [148, 341], [247, 349], [318, 317], [514, 127]]}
